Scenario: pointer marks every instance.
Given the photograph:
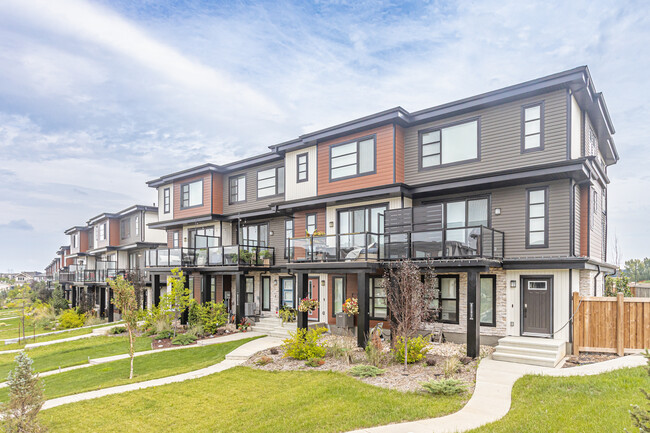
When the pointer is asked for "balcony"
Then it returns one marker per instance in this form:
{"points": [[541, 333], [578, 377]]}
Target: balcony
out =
{"points": [[447, 244], [232, 255]]}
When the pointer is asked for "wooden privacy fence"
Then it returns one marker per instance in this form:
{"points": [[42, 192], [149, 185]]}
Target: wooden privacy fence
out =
{"points": [[615, 325]]}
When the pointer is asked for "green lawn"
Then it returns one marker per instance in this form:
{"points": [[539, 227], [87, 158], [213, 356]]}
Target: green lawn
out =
{"points": [[253, 401], [66, 334], [573, 404], [73, 352], [152, 366]]}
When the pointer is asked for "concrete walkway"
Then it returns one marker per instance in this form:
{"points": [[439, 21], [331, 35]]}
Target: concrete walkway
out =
{"points": [[233, 359], [492, 395]]}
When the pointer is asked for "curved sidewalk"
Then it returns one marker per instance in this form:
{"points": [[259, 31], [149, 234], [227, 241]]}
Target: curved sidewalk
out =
{"points": [[233, 359], [492, 395]]}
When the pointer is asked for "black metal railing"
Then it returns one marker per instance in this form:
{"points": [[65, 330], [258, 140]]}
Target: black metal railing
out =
{"points": [[335, 248], [230, 255]]}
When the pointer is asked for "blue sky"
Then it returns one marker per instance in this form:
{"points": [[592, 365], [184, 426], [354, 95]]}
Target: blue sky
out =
{"points": [[96, 97]]}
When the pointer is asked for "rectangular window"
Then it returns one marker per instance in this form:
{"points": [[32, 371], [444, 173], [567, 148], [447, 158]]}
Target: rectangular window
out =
{"points": [[270, 182], [237, 189], [102, 232], [266, 293], [125, 228], [175, 239], [137, 225], [203, 237], [192, 194], [190, 286], [532, 127], [301, 167], [537, 218], [74, 241], [352, 159], [378, 299], [250, 289], [338, 295], [167, 200], [310, 224], [448, 296], [448, 145], [488, 300], [288, 234], [254, 235]]}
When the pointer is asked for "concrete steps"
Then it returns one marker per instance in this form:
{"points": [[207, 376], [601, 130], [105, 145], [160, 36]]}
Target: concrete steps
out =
{"points": [[544, 352]]}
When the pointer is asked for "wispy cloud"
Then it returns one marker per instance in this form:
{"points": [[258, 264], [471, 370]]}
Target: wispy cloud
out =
{"points": [[17, 225], [97, 97]]}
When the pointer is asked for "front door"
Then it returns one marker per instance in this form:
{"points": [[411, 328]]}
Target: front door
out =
{"points": [[536, 306], [287, 292], [312, 287]]}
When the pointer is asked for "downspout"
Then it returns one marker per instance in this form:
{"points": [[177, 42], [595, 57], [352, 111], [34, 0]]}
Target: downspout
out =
{"points": [[596, 281]]}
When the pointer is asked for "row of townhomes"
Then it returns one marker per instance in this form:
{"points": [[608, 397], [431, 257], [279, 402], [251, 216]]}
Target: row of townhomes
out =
{"points": [[504, 193]]}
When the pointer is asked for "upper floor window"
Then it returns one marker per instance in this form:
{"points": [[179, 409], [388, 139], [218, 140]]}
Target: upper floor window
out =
{"points": [[137, 225], [311, 224], [288, 234], [203, 237], [192, 194], [270, 182], [532, 128], [125, 228], [175, 239], [449, 144], [101, 233], [352, 159], [537, 218], [167, 200], [254, 235], [237, 188], [301, 169]]}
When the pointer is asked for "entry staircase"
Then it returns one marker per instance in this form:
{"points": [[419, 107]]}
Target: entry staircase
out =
{"points": [[544, 352]]}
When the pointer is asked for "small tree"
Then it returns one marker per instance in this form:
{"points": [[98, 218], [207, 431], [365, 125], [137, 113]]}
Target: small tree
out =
{"points": [[178, 297], [615, 285], [124, 300], [25, 399], [408, 299], [58, 301]]}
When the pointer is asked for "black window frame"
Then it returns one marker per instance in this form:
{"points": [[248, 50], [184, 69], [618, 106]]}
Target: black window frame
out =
{"points": [[421, 132], [306, 165], [539, 104], [344, 291], [187, 193], [287, 243], [232, 186], [373, 298], [252, 293], [368, 214], [258, 225], [167, 200], [492, 324], [546, 216], [275, 176], [265, 278], [457, 298], [357, 141]]}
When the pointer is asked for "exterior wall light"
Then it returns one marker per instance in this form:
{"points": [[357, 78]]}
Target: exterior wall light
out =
{"points": [[497, 211], [513, 283]]}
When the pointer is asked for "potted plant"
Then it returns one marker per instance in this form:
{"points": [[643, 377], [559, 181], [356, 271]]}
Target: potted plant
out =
{"points": [[246, 256], [307, 305], [350, 308], [266, 257], [234, 258], [287, 314]]}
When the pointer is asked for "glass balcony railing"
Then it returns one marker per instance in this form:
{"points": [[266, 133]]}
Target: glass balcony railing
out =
{"points": [[231, 255]]}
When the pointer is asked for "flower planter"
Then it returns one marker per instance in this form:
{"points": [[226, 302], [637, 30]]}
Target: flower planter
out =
{"points": [[344, 320]]}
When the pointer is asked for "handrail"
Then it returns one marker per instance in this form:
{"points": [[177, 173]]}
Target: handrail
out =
{"points": [[206, 256]]}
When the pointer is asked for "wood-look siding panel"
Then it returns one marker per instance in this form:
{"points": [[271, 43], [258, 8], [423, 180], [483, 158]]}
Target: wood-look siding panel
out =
{"points": [[500, 140], [170, 238], [399, 154], [83, 241], [276, 225], [383, 163], [204, 209], [217, 193], [251, 203], [114, 232], [300, 221]]}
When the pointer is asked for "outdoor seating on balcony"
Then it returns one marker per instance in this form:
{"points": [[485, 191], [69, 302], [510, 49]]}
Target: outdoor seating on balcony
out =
{"points": [[232, 255]]}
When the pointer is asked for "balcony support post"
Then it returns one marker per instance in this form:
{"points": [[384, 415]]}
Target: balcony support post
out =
{"points": [[240, 296], [74, 296], [473, 313], [363, 319], [111, 309], [156, 290], [303, 291]]}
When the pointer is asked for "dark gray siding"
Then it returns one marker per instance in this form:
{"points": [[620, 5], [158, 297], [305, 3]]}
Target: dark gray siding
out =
{"points": [[500, 139], [276, 225], [251, 203]]}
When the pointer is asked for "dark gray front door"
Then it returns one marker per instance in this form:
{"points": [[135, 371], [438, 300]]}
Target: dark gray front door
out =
{"points": [[536, 306]]}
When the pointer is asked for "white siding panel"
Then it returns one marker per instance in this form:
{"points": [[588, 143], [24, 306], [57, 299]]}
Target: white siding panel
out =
{"points": [[162, 216], [153, 235], [298, 190]]}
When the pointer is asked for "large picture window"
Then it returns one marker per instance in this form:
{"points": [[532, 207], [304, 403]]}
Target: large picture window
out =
{"points": [[270, 182], [203, 237], [237, 189], [378, 299], [254, 235], [488, 300], [537, 218], [448, 145], [352, 159], [192, 194]]}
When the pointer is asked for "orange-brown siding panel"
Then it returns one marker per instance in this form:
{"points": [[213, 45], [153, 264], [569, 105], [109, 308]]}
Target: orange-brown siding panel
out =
{"points": [[204, 209], [217, 193]]}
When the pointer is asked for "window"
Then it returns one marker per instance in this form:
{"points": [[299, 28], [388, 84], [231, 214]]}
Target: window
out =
{"points": [[352, 159], [448, 299], [237, 189], [270, 182], [137, 225], [250, 289], [359, 220], [74, 241], [167, 200], [488, 300], [378, 299], [537, 218], [310, 224], [192, 194], [288, 234], [301, 171], [254, 235], [266, 293], [338, 295], [102, 232], [190, 286], [125, 228], [175, 239], [532, 127], [203, 237], [448, 145]]}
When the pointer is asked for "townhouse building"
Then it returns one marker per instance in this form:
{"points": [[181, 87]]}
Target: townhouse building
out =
{"points": [[503, 193]]}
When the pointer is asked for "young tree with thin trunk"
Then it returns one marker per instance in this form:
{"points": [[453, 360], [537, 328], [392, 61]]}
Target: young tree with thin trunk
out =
{"points": [[19, 415], [409, 299], [178, 297], [124, 300]]}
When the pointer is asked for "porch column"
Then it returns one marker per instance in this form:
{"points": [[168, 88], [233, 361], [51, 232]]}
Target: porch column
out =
{"points": [[302, 280], [363, 319], [156, 290], [473, 313], [102, 302], [111, 308], [240, 296], [73, 295]]}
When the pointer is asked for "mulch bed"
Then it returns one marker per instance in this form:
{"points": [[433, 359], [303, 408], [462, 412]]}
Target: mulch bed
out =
{"points": [[588, 358], [395, 377], [165, 343]]}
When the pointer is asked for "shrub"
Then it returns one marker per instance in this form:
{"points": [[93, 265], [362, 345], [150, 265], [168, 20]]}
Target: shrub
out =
{"points": [[315, 362], [92, 320], [196, 331], [287, 314], [164, 334], [183, 339], [215, 316], [71, 319], [341, 347], [375, 354], [416, 349], [451, 366], [264, 360], [194, 313], [444, 387], [366, 371], [117, 330], [304, 344]]}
